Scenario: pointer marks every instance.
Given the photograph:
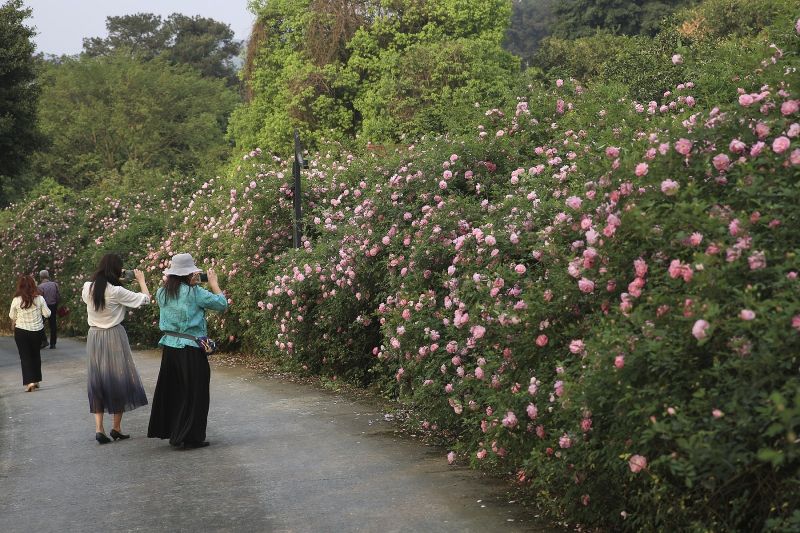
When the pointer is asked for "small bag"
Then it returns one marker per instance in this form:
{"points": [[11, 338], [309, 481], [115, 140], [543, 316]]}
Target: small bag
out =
{"points": [[206, 344]]}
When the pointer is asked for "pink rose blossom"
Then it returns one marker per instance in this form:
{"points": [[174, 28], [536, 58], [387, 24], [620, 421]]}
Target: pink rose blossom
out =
{"points": [[683, 146], [641, 169], [637, 463], [640, 267], [478, 331], [612, 152], [586, 285], [781, 144], [565, 441], [757, 261], [721, 162], [451, 457], [736, 146], [573, 202], [510, 420], [520, 269], [670, 187], [479, 373], [699, 329], [789, 107], [756, 149], [577, 346], [695, 239], [747, 314], [716, 413], [541, 341], [619, 361], [745, 100], [677, 59], [532, 411]]}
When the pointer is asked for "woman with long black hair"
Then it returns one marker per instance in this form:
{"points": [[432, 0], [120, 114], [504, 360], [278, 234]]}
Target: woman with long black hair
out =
{"points": [[114, 385], [181, 398], [27, 309]]}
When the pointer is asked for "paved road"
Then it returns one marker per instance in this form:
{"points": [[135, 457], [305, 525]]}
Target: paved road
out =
{"points": [[283, 457]]}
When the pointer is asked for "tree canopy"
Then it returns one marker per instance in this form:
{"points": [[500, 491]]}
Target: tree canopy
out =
{"points": [[581, 18], [203, 43], [103, 113], [380, 70], [19, 93]]}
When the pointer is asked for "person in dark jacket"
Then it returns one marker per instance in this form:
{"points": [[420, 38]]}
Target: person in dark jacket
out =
{"points": [[49, 290]]}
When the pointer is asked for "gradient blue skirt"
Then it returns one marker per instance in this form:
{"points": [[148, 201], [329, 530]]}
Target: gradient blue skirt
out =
{"points": [[114, 385]]}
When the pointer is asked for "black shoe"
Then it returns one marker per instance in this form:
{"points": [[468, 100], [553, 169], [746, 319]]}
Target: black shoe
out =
{"points": [[52, 346], [117, 435], [193, 445], [101, 438]]}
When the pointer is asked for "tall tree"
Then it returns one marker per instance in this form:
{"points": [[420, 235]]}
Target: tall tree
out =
{"points": [[104, 113], [19, 94], [202, 43], [378, 69]]}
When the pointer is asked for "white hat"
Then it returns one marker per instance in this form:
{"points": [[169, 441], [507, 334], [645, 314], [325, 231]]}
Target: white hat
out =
{"points": [[182, 265]]}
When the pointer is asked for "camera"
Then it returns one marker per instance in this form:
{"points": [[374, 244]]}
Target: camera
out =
{"points": [[203, 277], [127, 275]]}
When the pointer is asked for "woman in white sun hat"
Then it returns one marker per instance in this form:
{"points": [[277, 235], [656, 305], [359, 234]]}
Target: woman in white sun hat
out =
{"points": [[181, 398]]}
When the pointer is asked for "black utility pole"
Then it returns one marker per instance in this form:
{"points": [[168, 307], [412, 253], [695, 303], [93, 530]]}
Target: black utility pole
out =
{"points": [[299, 163]]}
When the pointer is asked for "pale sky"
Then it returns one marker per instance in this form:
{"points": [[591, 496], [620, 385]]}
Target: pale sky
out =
{"points": [[62, 24]]}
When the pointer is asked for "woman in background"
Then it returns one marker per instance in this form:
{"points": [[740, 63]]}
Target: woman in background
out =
{"points": [[181, 398], [27, 309], [114, 384]]}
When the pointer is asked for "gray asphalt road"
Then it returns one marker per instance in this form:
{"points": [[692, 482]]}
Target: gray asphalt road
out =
{"points": [[283, 457]]}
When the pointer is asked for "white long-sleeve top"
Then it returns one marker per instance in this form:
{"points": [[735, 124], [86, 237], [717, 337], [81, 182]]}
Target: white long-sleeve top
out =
{"points": [[29, 319], [117, 299]]}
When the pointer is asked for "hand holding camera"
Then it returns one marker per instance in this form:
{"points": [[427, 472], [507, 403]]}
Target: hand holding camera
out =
{"points": [[213, 282]]}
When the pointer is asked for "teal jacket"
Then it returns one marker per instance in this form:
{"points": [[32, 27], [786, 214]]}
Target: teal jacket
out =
{"points": [[187, 313]]}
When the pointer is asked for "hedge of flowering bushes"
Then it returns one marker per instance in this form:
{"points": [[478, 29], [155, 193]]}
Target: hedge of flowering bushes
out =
{"points": [[595, 295]]}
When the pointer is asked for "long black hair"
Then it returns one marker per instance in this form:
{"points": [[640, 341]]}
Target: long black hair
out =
{"points": [[172, 285], [108, 272]]}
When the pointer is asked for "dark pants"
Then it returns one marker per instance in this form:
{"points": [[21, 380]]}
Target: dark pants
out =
{"points": [[53, 328], [29, 356]]}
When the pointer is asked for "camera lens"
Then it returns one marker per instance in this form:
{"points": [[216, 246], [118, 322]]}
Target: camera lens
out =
{"points": [[127, 275]]}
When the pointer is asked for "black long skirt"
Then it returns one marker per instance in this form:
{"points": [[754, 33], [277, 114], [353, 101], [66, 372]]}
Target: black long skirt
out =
{"points": [[181, 398]]}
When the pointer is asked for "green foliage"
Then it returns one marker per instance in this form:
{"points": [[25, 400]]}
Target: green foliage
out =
{"points": [[531, 21], [19, 93], [202, 43], [103, 113], [716, 19], [382, 71], [581, 18]]}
